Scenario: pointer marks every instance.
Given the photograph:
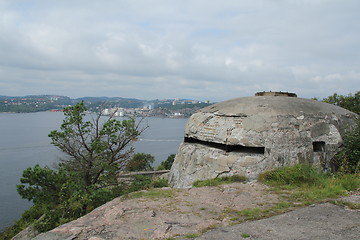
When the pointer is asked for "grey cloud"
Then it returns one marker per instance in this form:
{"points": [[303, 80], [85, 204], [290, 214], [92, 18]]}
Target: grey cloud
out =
{"points": [[194, 49]]}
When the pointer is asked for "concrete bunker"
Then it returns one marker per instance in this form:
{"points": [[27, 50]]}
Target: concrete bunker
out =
{"points": [[225, 147], [250, 135]]}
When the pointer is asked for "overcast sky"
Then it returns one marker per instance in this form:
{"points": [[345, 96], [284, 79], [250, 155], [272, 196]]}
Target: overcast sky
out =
{"points": [[199, 49]]}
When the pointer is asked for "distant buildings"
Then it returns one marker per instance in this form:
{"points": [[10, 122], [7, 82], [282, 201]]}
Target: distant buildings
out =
{"points": [[116, 112], [117, 107]]}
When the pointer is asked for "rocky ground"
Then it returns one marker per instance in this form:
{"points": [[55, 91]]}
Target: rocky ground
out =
{"points": [[324, 221], [174, 213]]}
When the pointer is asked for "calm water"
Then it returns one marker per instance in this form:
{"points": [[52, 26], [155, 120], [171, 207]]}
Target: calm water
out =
{"points": [[24, 143]]}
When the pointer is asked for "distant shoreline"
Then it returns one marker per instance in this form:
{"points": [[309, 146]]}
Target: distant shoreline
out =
{"points": [[153, 116]]}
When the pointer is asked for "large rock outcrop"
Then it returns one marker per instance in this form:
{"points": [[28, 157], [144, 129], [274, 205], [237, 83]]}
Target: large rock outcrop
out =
{"points": [[249, 135], [174, 212]]}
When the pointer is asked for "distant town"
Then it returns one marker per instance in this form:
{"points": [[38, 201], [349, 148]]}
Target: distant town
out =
{"points": [[117, 106]]}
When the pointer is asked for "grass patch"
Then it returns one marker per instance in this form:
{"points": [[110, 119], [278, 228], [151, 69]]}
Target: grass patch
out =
{"points": [[192, 235], [251, 214], [202, 231], [245, 235], [297, 175], [351, 205], [152, 194], [281, 206], [305, 184], [299, 185], [257, 213], [219, 181]]}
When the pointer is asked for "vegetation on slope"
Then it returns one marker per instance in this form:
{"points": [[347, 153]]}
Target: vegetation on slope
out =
{"points": [[96, 152], [348, 159], [303, 183]]}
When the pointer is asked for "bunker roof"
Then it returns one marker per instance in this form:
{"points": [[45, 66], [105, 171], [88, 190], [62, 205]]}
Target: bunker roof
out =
{"points": [[274, 105]]}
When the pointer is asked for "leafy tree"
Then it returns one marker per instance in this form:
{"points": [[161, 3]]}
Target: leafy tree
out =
{"points": [[42, 185], [350, 102], [166, 165], [57, 199], [96, 151], [140, 162], [348, 159]]}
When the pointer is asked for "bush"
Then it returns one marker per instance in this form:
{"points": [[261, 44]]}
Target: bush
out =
{"points": [[348, 159], [166, 165], [141, 182], [140, 162], [159, 183], [42, 185]]}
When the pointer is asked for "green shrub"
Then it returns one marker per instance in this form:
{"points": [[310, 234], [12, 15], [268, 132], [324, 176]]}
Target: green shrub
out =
{"points": [[42, 185], [348, 159], [140, 162], [159, 183], [166, 165], [139, 182]]}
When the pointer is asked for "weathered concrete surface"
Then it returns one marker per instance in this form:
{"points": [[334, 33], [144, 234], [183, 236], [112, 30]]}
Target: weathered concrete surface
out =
{"points": [[321, 222], [252, 134]]}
